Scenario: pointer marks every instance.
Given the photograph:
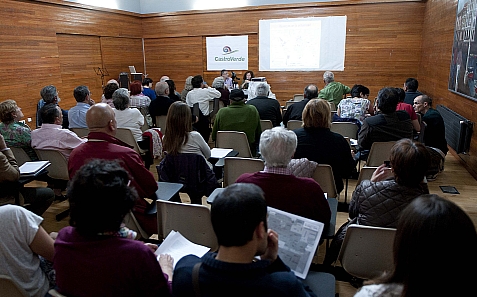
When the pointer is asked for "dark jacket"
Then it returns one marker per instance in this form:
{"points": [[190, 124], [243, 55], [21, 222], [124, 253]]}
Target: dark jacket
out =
{"points": [[268, 109], [294, 111]]}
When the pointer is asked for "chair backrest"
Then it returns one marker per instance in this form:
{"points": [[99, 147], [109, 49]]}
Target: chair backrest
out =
{"points": [[266, 124], [332, 106], [81, 132], [367, 251], [346, 129], [288, 103], [324, 176], [59, 165], [191, 220], [8, 287], [298, 97], [234, 140], [161, 123], [235, 166], [294, 124], [365, 173], [379, 152], [125, 134], [131, 222], [20, 155]]}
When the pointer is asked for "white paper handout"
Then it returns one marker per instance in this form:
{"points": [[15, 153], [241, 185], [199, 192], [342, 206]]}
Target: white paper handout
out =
{"points": [[298, 238], [178, 246], [219, 152], [32, 168]]}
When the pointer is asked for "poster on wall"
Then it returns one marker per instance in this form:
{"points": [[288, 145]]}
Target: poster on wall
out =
{"points": [[227, 52], [463, 70]]}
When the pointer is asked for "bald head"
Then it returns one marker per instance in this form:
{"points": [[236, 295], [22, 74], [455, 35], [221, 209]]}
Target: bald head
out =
{"points": [[162, 88], [164, 78], [100, 118], [113, 81]]}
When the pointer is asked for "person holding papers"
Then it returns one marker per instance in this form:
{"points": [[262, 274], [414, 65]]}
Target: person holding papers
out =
{"points": [[239, 219], [38, 199], [94, 256]]}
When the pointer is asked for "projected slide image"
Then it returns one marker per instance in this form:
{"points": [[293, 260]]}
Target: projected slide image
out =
{"points": [[295, 44]]}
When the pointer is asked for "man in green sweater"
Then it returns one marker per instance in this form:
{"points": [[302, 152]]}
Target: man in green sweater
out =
{"points": [[239, 117], [333, 90]]}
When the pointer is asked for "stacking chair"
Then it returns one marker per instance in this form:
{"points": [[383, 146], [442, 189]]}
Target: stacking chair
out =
{"points": [[161, 123], [190, 220], [298, 97], [131, 222], [346, 129], [365, 173], [294, 124], [288, 103], [236, 166], [379, 152], [81, 132], [324, 176], [367, 251], [332, 106], [266, 124], [234, 140], [8, 287], [20, 155], [126, 135]]}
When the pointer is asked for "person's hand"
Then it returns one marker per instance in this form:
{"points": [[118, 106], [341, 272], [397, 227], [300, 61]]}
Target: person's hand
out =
{"points": [[381, 173], [91, 102], [272, 248], [152, 246], [167, 264], [3, 145]]}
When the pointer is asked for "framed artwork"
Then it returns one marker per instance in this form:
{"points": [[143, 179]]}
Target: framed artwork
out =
{"points": [[463, 69]]}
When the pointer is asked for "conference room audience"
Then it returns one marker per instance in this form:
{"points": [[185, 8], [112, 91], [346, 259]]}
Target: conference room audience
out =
{"points": [[161, 105], [108, 91], [333, 91], [15, 133], [408, 108], [137, 98], [219, 85], [379, 201], [147, 89], [94, 256], [410, 87], [357, 106], [434, 248], [268, 108], [318, 143], [77, 114], [187, 88], [295, 111], [172, 90], [126, 117], [49, 94]]}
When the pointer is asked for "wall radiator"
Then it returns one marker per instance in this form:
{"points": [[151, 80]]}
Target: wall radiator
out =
{"points": [[458, 129]]}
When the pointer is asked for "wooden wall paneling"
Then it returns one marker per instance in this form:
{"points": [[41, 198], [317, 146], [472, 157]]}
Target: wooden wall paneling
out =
{"points": [[119, 53], [175, 57], [438, 34], [79, 56], [382, 45]]}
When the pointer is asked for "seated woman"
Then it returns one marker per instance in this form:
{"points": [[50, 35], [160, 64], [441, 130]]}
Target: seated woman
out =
{"points": [[126, 117], [430, 228], [108, 94], [16, 134], [138, 99], [93, 256], [179, 137], [317, 143], [379, 201], [219, 85], [23, 242], [172, 90], [357, 106], [247, 77]]}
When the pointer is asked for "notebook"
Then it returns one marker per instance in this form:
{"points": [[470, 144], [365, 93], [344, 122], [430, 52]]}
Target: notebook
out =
{"points": [[33, 168]]}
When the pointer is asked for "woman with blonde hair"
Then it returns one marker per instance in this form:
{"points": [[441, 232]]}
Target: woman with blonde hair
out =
{"points": [[317, 143]]}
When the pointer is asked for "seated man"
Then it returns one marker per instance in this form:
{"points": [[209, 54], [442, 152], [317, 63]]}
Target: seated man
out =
{"points": [[295, 110], [268, 108], [77, 114], [51, 136], [161, 104], [298, 195], [239, 117], [333, 90], [410, 87], [102, 144], [49, 94], [239, 219]]}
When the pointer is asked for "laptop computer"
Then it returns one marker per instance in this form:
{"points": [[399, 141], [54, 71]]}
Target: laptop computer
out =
{"points": [[132, 69]]}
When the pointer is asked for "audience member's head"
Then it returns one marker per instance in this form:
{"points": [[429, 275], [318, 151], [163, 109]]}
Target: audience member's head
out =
{"points": [[388, 100], [100, 118], [409, 162], [359, 91], [248, 75], [121, 99], [51, 114], [164, 78], [317, 114], [188, 83], [310, 92], [9, 112], [434, 248], [277, 146], [147, 82], [262, 89], [81, 94], [401, 94], [109, 89], [171, 85], [236, 214], [49, 94], [100, 197], [113, 81], [162, 88], [237, 95], [218, 82], [422, 103], [197, 81], [328, 77], [179, 124], [411, 85], [135, 87]]}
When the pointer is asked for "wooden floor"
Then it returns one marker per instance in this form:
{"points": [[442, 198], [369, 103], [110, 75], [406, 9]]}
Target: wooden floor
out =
{"points": [[454, 174]]}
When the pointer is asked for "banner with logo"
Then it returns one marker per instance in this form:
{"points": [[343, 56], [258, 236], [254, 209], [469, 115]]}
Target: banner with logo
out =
{"points": [[227, 52]]}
